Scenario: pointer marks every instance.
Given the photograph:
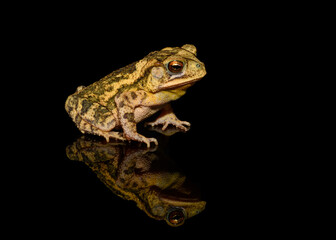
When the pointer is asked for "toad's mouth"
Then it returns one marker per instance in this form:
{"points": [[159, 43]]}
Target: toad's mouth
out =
{"points": [[173, 84]]}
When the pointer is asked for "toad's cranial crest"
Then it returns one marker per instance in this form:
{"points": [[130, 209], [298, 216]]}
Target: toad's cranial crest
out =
{"points": [[133, 93]]}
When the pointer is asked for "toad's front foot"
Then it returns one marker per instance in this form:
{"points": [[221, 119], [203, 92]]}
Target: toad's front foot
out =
{"points": [[170, 119]]}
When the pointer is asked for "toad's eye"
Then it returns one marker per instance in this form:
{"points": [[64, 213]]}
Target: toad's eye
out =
{"points": [[175, 217], [175, 66]]}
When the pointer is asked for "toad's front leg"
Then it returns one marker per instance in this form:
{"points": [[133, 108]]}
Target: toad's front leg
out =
{"points": [[167, 117], [126, 104]]}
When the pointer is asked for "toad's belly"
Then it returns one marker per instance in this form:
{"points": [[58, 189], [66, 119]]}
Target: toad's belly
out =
{"points": [[142, 112]]}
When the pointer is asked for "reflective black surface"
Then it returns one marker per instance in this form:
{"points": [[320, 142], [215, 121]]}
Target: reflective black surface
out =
{"points": [[144, 176], [63, 195]]}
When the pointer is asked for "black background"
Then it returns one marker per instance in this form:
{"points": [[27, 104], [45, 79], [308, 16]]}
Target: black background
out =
{"points": [[233, 151]]}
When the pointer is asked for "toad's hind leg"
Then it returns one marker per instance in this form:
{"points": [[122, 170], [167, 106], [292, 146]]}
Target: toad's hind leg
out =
{"points": [[91, 117], [86, 127]]}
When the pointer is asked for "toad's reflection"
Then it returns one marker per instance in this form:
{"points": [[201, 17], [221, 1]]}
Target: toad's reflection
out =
{"points": [[144, 176]]}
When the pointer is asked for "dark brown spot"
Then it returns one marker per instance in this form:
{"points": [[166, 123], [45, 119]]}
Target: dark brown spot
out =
{"points": [[144, 96], [133, 95], [121, 104], [109, 88], [129, 117], [126, 98], [85, 106]]}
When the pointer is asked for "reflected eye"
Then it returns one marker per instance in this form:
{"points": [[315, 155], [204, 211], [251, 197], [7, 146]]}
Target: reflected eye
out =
{"points": [[175, 66], [176, 217]]}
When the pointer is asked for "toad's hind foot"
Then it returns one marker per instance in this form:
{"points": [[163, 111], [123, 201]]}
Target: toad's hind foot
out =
{"points": [[139, 138]]}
